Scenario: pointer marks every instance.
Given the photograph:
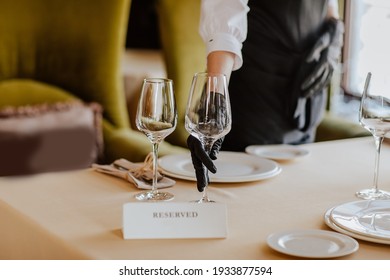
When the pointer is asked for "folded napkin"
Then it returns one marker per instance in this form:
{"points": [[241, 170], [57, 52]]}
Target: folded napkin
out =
{"points": [[139, 174]]}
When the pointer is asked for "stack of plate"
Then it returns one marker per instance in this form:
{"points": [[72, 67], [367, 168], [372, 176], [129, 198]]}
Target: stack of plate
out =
{"points": [[367, 220], [231, 167]]}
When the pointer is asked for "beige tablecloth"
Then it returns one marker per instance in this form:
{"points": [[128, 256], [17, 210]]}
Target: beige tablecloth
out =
{"points": [[78, 214]]}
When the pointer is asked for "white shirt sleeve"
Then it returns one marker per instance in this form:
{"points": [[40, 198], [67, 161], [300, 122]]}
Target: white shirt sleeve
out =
{"points": [[334, 4], [223, 26]]}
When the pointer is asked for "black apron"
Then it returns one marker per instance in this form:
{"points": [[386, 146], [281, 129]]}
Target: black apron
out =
{"points": [[263, 99]]}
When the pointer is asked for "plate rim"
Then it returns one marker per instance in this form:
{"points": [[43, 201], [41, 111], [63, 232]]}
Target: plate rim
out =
{"points": [[251, 150], [335, 227], [351, 244], [227, 180], [360, 232], [215, 179]]}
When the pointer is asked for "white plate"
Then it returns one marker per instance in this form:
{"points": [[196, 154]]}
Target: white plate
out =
{"points": [[313, 243], [365, 217], [232, 167], [277, 152], [332, 225]]}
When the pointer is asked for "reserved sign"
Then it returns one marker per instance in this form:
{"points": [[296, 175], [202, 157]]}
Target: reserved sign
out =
{"points": [[147, 220]]}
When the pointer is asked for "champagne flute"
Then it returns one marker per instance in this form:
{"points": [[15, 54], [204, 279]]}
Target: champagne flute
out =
{"points": [[208, 113], [157, 118], [374, 115]]}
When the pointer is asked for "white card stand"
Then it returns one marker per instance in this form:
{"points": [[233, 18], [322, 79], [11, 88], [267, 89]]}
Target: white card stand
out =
{"points": [[148, 220]]}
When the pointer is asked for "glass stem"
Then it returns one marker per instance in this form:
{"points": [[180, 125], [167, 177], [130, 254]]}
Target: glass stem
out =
{"points": [[204, 194], [378, 144], [155, 167], [208, 145]]}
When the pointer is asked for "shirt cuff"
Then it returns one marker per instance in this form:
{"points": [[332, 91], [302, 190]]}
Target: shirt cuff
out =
{"points": [[226, 42]]}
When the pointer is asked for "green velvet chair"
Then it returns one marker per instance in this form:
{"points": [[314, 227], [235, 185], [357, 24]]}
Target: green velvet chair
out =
{"points": [[184, 53], [60, 50]]}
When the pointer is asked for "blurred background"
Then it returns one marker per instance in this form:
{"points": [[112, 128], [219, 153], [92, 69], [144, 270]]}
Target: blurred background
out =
{"points": [[152, 38]]}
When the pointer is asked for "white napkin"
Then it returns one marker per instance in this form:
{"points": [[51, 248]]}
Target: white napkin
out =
{"points": [[139, 174]]}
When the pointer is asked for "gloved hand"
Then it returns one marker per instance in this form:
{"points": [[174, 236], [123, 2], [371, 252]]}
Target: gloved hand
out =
{"points": [[202, 160], [323, 58], [315, 73]]}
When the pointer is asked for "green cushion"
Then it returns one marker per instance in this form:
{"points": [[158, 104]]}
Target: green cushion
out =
{"points": [[20, 92]]}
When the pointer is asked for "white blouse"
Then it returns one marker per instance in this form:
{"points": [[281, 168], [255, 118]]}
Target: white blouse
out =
{"points": [[223, 25]]}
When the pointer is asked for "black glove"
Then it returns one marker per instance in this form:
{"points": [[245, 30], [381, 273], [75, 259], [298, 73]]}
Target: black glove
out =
{"points": [[316, 72], [201, 160], [323, 58]]}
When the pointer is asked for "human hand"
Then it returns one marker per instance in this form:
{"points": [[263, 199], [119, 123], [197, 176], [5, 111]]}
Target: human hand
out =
{"points": [[323, 58], [202, 160]]}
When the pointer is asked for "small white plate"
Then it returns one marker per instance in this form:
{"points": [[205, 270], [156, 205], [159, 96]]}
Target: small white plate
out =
{"points": [[318, 244], [277, 152], [365, 217], [232, 167], [332, 225]]}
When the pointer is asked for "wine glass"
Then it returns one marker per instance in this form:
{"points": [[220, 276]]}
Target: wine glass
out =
{"points": [[157, 118], [374, 115], [208, 113]]}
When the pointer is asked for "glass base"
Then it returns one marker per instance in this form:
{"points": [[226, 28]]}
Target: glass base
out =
{"points": [[203, 200], [373, 194], [154, 196]]}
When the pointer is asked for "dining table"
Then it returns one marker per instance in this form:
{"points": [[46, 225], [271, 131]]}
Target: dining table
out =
{"points": [[77, 214]]}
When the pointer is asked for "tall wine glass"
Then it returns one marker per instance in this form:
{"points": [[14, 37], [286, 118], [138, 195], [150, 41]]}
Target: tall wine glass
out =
{"points": [[208, 113], [374, 115], [157, 118]]}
